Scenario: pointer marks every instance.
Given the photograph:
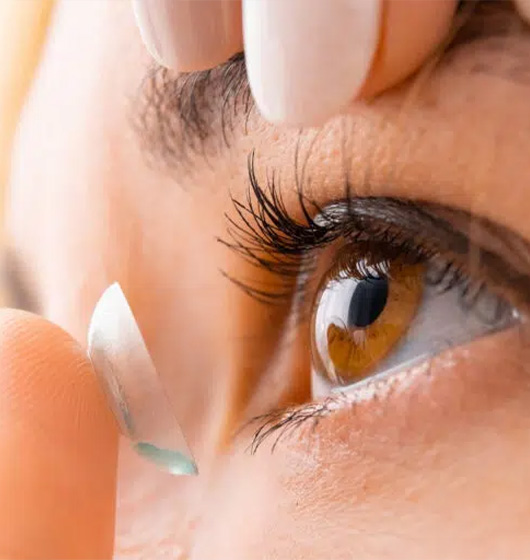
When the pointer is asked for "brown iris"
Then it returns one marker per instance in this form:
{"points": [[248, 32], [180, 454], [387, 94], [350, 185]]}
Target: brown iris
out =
{"points": [[360, 316]]}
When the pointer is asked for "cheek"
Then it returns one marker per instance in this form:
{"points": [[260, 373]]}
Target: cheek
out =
{"points": [[433, 469]]}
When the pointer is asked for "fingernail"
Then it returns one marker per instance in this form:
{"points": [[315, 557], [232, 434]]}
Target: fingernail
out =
{"points": [[307, 59], [188, 35]]}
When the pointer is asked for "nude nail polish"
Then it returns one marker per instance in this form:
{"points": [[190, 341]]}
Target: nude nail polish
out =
{"points": [[307, 59]]}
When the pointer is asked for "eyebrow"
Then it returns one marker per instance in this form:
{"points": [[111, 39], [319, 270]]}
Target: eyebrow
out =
{"points": [[178, 117]]}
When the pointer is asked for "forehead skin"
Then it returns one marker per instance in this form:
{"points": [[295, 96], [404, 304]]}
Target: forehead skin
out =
{"points": [[434, 468]]}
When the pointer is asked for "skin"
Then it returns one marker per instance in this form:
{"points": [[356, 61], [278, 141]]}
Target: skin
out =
{"points": [[434, 463], [61, 501]]}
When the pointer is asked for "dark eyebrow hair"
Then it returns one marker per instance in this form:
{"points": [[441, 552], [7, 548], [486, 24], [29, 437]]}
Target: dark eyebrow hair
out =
{"points": [[193, 113]]}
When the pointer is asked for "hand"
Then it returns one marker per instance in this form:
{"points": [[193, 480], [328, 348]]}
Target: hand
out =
{"points": [[306, 59], [58, 446]]}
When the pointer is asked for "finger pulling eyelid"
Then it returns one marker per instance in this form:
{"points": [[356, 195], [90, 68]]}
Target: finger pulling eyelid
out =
{"points": [[400, 53]]}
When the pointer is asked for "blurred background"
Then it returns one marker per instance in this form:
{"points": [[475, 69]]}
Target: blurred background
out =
{"points": [[23, 26]]}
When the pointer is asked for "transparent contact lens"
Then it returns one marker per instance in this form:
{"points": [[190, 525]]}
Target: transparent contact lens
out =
{"points": [[131, 383]]}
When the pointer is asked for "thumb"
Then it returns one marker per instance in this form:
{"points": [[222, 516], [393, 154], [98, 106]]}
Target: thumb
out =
{"points": [[58, 446]]}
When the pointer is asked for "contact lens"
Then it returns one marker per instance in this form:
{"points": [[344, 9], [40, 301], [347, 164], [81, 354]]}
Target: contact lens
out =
{"points": [[133, 387]]}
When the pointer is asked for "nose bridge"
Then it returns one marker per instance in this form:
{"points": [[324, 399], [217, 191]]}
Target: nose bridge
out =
{"points": [[239, 352], [264, 366], [217, 350]]}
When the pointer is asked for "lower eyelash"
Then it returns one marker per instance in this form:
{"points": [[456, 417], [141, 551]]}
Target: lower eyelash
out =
{"points": [[280, 423]]}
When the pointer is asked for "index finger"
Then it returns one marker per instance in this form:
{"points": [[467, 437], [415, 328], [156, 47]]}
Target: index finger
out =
{"points": [[58, 446]]}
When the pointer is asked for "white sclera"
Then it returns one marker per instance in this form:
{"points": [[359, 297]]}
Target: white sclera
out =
{"points": [[134, 390]]}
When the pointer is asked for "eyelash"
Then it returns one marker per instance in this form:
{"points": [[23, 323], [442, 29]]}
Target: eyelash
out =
{"points": [[266, 234], [269, 237]]}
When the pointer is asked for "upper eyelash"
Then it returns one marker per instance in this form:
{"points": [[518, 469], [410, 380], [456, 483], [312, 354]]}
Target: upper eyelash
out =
{"points": [[265, 234]]}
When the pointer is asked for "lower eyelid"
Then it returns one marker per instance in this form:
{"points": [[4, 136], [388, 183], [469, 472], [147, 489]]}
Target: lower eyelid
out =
{"points": [[462, 386]]}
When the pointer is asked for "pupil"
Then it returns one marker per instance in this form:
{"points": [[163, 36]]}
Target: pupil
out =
{"points": [[367, 301]]}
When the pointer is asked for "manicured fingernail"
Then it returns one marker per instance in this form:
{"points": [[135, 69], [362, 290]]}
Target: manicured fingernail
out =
{"points": [[306, 59], [190, 35]]}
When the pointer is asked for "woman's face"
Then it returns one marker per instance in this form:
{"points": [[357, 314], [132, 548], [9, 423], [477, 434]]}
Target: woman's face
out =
{"points": [[122, 173]]}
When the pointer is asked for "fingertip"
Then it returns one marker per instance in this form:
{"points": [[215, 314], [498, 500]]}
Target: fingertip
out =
{"points": [[411, 32], [307, 62], [58, 443]]}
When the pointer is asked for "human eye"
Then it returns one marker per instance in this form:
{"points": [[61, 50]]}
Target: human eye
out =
{"points": [[379, 283], [380, 308]]}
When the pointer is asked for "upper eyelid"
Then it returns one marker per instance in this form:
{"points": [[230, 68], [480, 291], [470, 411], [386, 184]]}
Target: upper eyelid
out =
{"points": [[490, 236], [488, 249], [270, 237], [461, 238]]}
